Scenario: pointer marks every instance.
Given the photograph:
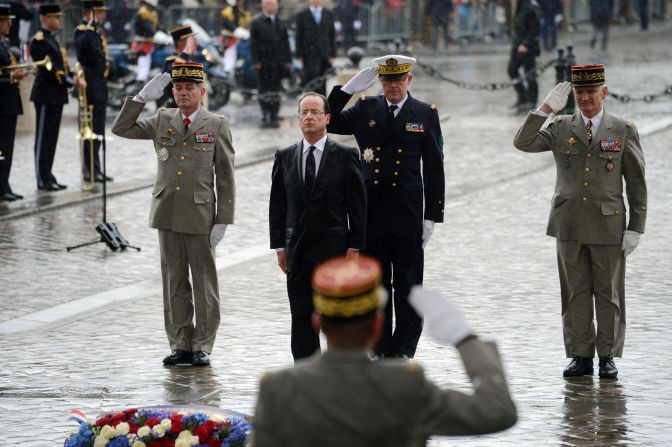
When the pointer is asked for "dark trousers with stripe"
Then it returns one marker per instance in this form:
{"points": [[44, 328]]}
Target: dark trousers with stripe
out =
{"points": [[7, 133], [98, 127], [47, 125]]}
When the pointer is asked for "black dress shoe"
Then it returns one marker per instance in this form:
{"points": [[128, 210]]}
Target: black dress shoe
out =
{"points": [[608, 368], [49, 187], [579, 366], [100, 177], [7, 197], [16, 196], [179, 357], [60, 185], [201, 359]]}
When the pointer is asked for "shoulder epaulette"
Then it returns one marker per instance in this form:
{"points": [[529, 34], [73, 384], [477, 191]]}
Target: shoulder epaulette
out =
{"points": [[629, 123], [433, 106], [171, 57], [412, 365], [38, 36], [558, 119], [264, 376], [84, 27], [221, 117], [363, 98]]}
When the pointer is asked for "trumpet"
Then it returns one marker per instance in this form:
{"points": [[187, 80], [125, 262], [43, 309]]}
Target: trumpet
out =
{"points": [[30, 67], [86, 135]]}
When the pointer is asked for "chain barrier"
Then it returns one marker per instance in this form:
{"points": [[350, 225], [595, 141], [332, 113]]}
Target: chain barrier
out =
{"points": [[646, 98]]}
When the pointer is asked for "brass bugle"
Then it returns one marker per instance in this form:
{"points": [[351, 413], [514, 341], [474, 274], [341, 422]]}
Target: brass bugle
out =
{"points": [[31, 66]]}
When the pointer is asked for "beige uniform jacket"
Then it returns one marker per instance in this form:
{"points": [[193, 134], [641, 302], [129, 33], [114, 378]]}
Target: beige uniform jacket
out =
{"points": [[184, 198], [588, 204], [342, 398]]}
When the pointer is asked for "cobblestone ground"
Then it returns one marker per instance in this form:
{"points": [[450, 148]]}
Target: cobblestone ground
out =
{"points": [[490, 257]]}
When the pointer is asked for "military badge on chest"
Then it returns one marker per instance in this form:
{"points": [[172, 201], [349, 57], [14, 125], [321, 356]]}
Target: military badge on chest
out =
{"points": [[415, 127], [609, 145], [367, 155], [163, 154], [205, 137]]}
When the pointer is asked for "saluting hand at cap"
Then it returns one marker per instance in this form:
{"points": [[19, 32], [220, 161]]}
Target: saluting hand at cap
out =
{"points": [[361, 81], [153, 90], [557, 98]]}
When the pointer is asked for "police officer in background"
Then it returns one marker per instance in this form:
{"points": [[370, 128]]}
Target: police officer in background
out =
{"points": [[91, 46], [595, 152], [342, 398], [11, 105], [185, 51], [49, 94], [400, 141], [524, 52]]}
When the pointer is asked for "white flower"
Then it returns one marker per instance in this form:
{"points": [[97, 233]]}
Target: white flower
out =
{"points": [[167, 424], [107, 432], [101, 441], [122, 429], [143, 431], [139, 444], [160, 430], [186, 439]]}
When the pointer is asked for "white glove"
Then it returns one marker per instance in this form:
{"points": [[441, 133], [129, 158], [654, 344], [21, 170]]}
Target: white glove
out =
{"points": [[427, 230], [216, 234], [443, 321], [558, 96], [153, 90], [630, 241], [361, 81]]}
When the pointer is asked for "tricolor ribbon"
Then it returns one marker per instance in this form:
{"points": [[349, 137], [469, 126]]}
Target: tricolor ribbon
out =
{"points": [[77, 416]]}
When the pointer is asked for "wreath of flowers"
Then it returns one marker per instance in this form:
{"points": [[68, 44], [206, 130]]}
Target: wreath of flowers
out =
{"points": [[162, 426]]}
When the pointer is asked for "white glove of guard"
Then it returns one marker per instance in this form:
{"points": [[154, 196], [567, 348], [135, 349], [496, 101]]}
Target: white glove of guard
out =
{"points": [[630, 241], [361, 81], [153, 90], [217, 234], [558, 96], [427, 230], [443, 321]]}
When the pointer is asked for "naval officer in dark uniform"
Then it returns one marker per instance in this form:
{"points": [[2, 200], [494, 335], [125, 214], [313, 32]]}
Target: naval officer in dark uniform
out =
{"points": [[400, 142], [11, 109], [91, 46], [49, 94]]}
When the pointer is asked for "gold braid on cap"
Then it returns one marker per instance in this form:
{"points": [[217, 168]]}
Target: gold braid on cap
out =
{"points": [[587, 77], [392, 67], [186, 72], [348, 307]]}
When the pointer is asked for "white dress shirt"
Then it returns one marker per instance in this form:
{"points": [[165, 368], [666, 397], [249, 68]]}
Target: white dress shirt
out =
{"points": [[399, 105], [596, 120]]}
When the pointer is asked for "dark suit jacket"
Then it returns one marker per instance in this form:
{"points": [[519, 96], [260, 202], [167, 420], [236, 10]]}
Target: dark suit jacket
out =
{"points": [[391, 154], [269, 42], [313, 42], [329, 221]]}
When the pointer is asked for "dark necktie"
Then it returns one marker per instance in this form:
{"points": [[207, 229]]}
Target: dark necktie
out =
{"points": [[393, 107], [187, 121], [589, 131], [310, 170]]}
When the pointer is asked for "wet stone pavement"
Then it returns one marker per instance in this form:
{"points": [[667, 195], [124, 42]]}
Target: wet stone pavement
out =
{"points": [[490, 257]]}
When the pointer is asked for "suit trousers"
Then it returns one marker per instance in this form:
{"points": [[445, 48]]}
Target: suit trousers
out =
{"points": [[526, 87], [269, 78], [314, 68], [305, 340], [7, 134], [98, 127], [47, 125], [587, 271], [401, 254], [180, 253]]}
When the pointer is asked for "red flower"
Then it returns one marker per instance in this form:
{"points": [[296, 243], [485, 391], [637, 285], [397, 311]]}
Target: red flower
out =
{"points": [[215, 443], [204, 432], [130, 412], [167, 442], [176, 421], [152, 422], [133, 427]]}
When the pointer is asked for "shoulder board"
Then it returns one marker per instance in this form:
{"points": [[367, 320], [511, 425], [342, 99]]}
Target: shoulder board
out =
{"points": [[84, 27], [221, 117], [629, 123], [558, 119], [171, 57], [264, 376], [433, 106], [363, 98], [412, 366], [38, 36]]}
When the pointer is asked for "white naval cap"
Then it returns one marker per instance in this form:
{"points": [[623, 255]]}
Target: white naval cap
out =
{"points": [[394, 64]]}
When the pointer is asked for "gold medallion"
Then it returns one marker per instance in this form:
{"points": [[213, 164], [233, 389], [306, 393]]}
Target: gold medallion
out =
{"points": [[372, 123]]}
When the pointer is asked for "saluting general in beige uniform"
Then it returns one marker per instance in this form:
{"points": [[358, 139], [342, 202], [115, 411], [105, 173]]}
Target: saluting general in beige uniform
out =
{"points": [[594, 152], [193, 201], [343, 398]]}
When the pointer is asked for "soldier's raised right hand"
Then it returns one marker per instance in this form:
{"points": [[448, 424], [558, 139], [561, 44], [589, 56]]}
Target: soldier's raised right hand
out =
{"points": [[153, 90], [558, 96], [361, 81]]}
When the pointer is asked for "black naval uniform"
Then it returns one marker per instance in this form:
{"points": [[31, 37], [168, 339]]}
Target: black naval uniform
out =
{"points": [[49, 94], [396, 185], [10, 110], [91, 48]]}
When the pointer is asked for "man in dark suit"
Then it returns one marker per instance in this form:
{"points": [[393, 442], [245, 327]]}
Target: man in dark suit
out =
{"points": [[315, 44], [402, 152], [91, 46], [49, 94], [317, 211], [271, 58], [524, 52], [11, 108]]}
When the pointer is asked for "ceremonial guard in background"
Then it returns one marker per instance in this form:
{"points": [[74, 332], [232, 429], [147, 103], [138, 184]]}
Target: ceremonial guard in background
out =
{"points": [[525, 49], [145, 25], [343, 398], [595, 153], [11, 105], [193, 202], [271, 57], [400, 141], [91, 46], [185, 50], [49, 94], [315, 44]]}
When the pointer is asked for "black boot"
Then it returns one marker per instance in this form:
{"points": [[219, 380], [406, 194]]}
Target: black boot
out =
{"points": [[579, 366], [607, 368]]}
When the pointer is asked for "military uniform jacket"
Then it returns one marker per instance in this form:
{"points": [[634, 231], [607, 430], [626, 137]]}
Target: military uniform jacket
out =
{"points": [[342, 398], [325, 223], [184, 192], [588, 204], [50, 86], [92, 55], [9, 92], [391, 154]]}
